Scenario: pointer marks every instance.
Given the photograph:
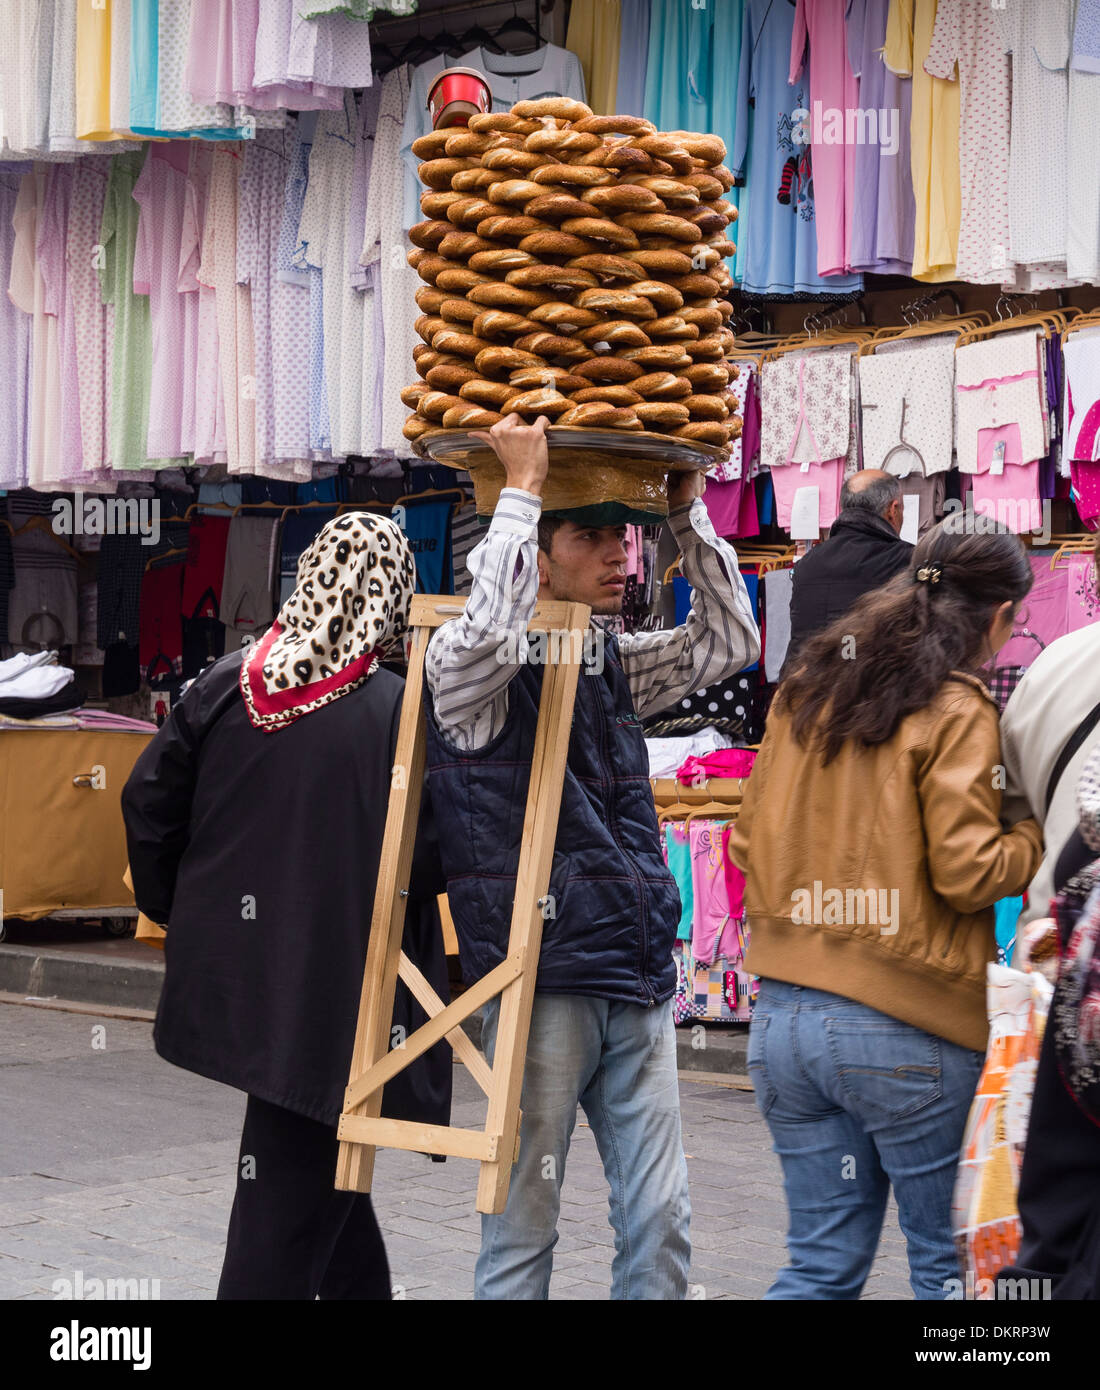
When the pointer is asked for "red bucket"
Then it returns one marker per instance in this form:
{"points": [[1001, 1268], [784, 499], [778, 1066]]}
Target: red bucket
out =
{"points": [[456, 95]]}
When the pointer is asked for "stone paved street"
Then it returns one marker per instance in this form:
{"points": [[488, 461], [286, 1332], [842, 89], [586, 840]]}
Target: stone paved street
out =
{"points": [[118, 1165]]}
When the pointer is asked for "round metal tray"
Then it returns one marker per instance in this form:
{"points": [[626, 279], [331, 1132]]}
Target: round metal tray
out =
{"points": [[574, 444]]}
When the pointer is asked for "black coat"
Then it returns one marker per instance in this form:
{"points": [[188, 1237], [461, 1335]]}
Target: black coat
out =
{"points": [[862, 553], [260, 853]]}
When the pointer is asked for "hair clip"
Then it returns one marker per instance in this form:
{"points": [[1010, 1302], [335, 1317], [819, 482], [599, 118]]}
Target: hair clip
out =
{"points": [[930, 574]]}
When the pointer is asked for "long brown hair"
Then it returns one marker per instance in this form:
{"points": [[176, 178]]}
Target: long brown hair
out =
{"points": [[887, 657]]}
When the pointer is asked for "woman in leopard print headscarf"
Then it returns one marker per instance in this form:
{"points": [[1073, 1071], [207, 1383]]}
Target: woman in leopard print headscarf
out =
{"points": [[260, 856], [355, 583]]}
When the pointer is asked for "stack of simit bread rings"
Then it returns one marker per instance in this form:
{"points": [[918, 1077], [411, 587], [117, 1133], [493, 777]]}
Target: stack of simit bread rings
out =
{"points": [[573, 267]]}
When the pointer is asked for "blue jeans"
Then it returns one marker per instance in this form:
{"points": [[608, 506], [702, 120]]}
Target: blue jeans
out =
{"points": [[857, 1101], [618, 1062]]}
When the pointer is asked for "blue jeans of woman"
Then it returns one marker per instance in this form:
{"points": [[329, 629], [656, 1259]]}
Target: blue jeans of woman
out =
{"points": [[857, 1102]]}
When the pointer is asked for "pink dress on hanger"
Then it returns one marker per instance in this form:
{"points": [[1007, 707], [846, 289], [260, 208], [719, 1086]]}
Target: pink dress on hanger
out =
{"points": [[833, 92]]}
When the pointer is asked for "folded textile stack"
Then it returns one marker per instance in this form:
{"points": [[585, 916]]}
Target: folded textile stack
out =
{"points": [[33, 685], [573, 266]]}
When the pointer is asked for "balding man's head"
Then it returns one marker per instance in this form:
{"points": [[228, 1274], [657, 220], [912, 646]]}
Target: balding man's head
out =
{"points": [[872, 490]]}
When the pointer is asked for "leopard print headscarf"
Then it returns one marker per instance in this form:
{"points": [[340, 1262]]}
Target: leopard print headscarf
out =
{"points": [[355, 584]]}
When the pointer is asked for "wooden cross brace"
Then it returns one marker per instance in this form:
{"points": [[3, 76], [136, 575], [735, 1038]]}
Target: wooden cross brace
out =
{"points": [[362, 1130]]}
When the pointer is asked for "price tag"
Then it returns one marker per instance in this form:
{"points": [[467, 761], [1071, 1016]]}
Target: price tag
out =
{"points": [[997, 462], [910, 517], [806, 514]]}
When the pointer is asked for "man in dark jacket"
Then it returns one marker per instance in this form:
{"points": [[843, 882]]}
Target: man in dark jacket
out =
{"points": [[863, 551], [601, 1026]]}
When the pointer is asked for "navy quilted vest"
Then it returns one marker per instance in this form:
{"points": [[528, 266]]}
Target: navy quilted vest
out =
{"points": [[611, 921]]}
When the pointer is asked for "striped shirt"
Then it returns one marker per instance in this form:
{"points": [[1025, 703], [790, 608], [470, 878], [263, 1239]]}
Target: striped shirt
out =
{"points": [[467, 665]]}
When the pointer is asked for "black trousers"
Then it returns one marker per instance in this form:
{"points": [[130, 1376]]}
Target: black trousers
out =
{"points": [[292, 1235]]}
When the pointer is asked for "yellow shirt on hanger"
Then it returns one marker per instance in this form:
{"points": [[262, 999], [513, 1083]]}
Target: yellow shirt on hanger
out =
{"points": [[93, 72], [934, 139], [593, 35]]}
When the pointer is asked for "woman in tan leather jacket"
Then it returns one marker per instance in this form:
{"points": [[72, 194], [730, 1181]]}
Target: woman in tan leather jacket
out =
{"points": [[871, 841]]}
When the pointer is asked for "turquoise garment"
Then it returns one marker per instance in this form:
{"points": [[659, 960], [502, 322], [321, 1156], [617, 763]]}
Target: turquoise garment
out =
{"points": [[1006, 913], [678, 849], [692, 63]]}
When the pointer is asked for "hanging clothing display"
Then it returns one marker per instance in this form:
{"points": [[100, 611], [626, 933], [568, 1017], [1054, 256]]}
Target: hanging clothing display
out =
{"points": [[594, 36], [780, 241], [907, 408], [633, 56]]}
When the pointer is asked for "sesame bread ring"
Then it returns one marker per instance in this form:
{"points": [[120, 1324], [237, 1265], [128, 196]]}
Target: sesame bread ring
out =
{"points": [[514, 191], [564, 318], [708, 187], [457, 310], [708, 148], [703, 432], [597, 415], [548, 378], [562, 280], [460, 246], [622, 159], [662, 295], [627, 420], [426, 263], [696, 285], [428, 299], [724, 307], [706, 316], [466, 144], [506, 227], [556, 205], [542, 400], [664, 262], [723, 175], [609, 394], [508, 160], [672, 329], [495, 295], [667, 148], [618, 302], [723, 246], [708, 349], [564, 108], [500, 323], [558, 142], [616, 369], [435, 205], [659, 415], [709, 222], [614, 334], [459, 279], [433, 145], [433, 404], [500, 261], [468, 416], [623, 197], [453, 340], [429, 234], [451, 376], [506, 121], [428, 325], [553, 347], [580, 175], [491, 394], [707, 407], [557, 244], [662, 386], [601, 229], [669, 357], [607, 268], [615, 125], [474, 180], [468, 212], [437, 173], [672, 192], [415, 426], [420, 351], [411, 394], [707, 376], [733, 426], [661, 224], [498, 361]]}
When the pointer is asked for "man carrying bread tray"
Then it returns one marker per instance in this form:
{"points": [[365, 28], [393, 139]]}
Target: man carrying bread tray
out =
{"points": [[601, 1028]]}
